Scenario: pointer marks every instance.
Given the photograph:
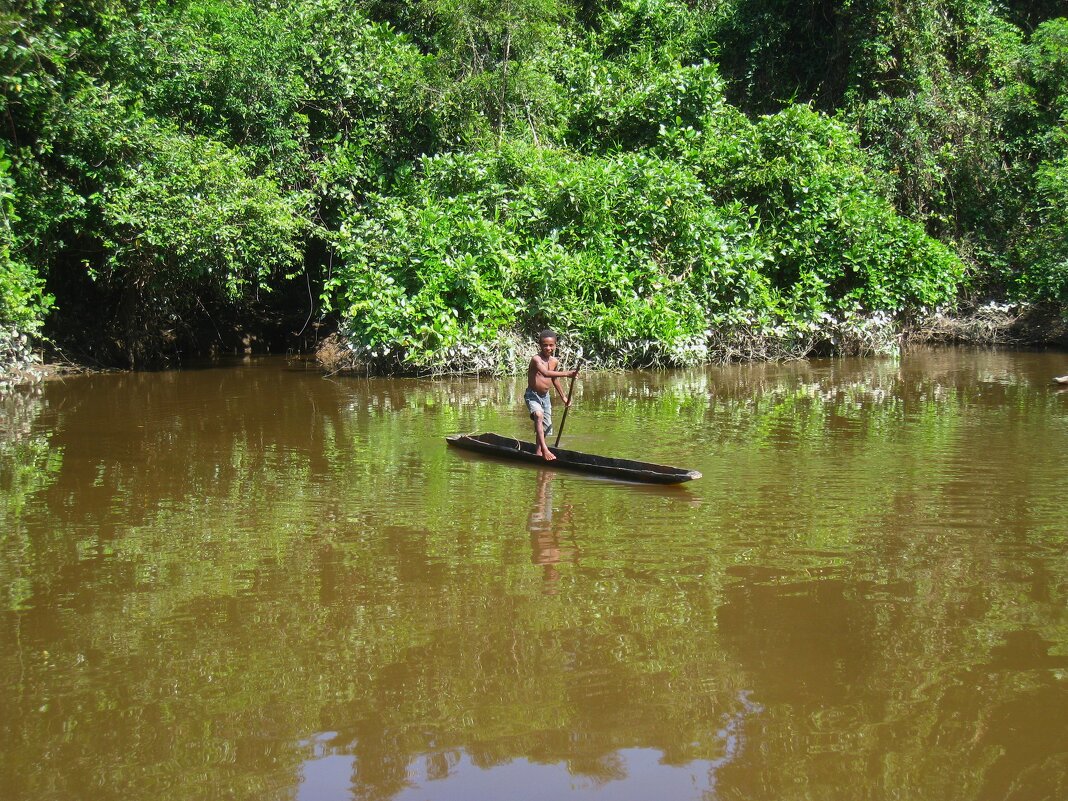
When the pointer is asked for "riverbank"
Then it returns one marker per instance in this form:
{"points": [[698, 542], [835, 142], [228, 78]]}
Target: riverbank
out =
{"points": [[994, 324], [24, 362], [991, 324], [19, 363]]}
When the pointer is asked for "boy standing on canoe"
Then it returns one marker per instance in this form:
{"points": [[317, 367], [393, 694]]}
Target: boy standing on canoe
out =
{"points": [[542, 373]]}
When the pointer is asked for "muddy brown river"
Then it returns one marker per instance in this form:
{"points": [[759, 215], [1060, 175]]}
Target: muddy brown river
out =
{"points": [[247, 581]]}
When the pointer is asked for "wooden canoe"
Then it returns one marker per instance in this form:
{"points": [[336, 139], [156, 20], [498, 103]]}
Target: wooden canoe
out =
{"points": [[622, 469]]}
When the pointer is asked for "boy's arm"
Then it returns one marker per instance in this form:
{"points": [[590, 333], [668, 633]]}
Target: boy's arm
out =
{"points": [[548, 372]]}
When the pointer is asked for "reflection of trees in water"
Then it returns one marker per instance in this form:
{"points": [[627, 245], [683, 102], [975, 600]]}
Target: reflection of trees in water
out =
{"points": [[28, 464], [27, 461], [19, 410], [895, 690], [733, 738], [937, 378], [375, 396], [929, 377]]}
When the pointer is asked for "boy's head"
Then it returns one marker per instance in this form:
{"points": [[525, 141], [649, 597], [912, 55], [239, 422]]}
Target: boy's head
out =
{"points": [[547, 341]]}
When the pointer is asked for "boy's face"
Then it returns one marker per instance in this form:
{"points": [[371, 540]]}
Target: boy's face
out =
{"points": [[548, 346]]}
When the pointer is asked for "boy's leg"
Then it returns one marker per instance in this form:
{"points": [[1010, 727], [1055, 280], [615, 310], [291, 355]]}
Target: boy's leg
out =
{"points": [[541, 414], [539, 436]]}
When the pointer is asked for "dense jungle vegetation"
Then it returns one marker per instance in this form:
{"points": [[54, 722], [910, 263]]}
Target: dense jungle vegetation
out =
{"points": [[664, 181]]}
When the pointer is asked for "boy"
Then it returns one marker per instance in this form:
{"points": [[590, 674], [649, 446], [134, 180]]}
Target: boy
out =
{"points": [[540, 374]]}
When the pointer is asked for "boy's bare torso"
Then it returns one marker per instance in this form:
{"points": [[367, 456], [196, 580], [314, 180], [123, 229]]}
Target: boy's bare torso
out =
{"points": [[536, 379]]}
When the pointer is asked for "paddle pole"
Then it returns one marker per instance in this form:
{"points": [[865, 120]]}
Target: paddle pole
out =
{"points": [[570, 390]]}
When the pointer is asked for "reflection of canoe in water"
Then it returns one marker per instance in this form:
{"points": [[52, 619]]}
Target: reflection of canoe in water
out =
{"points": [[623, 469]]}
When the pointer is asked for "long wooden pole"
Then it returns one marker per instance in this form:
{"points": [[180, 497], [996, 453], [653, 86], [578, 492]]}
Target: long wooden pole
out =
{"points": [[570, 390]]}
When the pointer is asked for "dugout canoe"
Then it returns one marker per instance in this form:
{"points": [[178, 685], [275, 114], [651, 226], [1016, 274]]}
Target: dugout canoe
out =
{"points": [[622, 469]]}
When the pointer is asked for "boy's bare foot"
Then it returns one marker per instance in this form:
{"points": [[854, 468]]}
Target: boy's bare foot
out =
{"points": [[546, 454]]}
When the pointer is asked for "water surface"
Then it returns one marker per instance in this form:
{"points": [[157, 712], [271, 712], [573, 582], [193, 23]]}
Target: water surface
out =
{"points": [[247, 581]]}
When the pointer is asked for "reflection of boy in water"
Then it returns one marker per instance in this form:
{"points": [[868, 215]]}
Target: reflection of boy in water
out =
{"points": [[544, 538], [541, 373]]}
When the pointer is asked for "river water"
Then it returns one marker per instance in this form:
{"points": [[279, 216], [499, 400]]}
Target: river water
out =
{"points": [[248, 581]]}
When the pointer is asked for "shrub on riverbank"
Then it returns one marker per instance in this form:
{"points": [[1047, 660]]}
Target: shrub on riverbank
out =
{"points": [[23, 303], [762, 238]]}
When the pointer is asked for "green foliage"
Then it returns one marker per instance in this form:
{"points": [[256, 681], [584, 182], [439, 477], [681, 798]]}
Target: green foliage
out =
{"points": [[634, 255], [776, 51], [369, 107], [1048, 56], [955, 102], [1038, 245], [1046, 62], [637, 74], [187, 212], [228, 70], [167, 219], [23, 303], [495, 66], [626, 105], [645, 173], [835, 240], [1043, 250], [520, 237]]}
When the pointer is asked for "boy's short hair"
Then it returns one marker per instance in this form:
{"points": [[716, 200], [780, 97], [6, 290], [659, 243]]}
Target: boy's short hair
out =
{"points": [[547, 332]]}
